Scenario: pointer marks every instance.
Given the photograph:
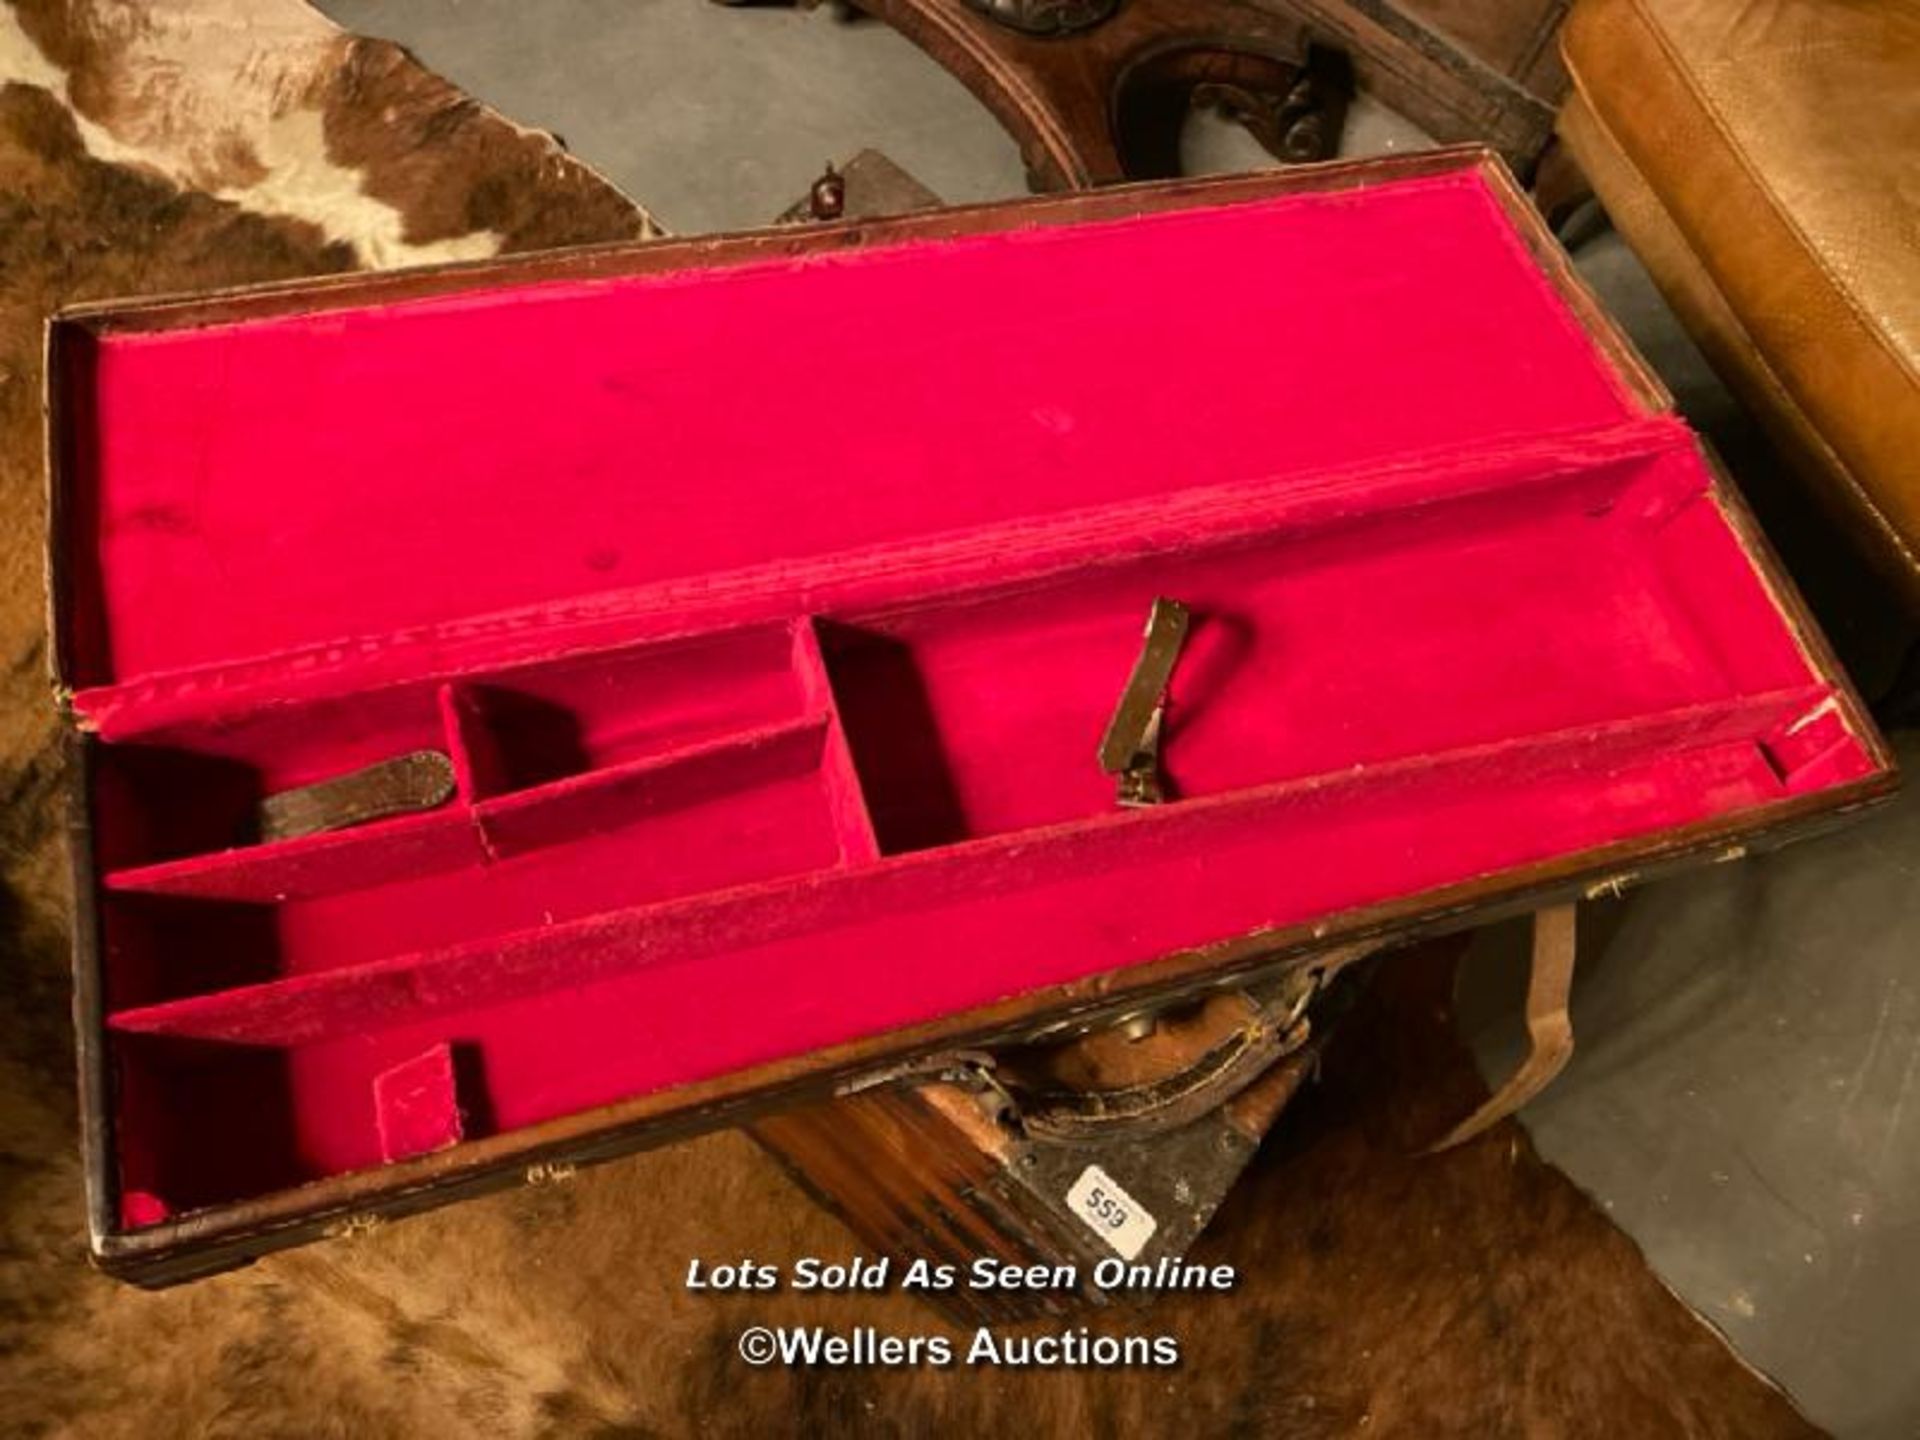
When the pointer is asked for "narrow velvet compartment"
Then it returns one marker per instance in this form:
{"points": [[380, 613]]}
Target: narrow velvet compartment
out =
{"points": [[591, 850], [1407, 632], [197, 788], [604, 719], [532, 724], [158, 947], [728, 812], [1683, 743], [324, 863], [586, 784], [202, 1123]]}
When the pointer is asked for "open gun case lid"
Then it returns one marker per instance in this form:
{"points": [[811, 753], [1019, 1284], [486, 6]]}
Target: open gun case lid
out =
{"points": [[760, 603]]}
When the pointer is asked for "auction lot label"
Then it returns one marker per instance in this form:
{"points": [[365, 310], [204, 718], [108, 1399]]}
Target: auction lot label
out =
{"points": [[1112, 1214]]}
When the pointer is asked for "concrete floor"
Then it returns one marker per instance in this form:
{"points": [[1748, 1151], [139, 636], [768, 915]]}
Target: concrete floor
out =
{"points": [[1749, 1038]]}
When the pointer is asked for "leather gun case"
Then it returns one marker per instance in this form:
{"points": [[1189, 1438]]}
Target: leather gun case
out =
{"points": [[740, 618]]}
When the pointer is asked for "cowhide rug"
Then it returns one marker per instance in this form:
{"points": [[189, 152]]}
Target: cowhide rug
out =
{"points": [[162, 146]]}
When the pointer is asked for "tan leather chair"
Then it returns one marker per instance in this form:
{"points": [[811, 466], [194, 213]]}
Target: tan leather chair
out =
{"points": [[1763, 159]]}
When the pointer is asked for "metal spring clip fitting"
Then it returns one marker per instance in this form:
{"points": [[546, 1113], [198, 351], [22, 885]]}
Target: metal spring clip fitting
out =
{"points": [[1131, 747]]}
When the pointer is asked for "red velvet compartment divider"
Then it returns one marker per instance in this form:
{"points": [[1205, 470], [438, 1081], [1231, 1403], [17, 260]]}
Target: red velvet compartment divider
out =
{"points": [[774, 711]]}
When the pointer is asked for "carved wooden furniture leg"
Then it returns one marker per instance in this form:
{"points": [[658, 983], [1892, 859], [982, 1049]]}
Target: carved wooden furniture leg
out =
{"points": [[1549, 1030], [1093, 99], [1046, 17], [1105, 103], [1094, 91]]}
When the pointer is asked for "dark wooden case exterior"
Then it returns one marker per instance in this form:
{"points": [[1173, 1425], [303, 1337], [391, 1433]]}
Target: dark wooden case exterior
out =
{"points": [[221, 1237]]}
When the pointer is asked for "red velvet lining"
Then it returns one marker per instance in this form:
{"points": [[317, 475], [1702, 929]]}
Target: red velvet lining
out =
{"points": [[774, 714], [358, 473]]}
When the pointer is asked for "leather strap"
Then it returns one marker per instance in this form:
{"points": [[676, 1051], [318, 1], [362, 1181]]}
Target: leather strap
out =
{"points": [[1549, 1028], [422, 780]]}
